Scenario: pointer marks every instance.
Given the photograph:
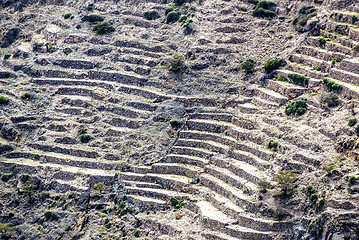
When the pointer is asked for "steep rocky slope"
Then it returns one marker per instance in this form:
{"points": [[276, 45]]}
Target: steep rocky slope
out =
{"points": [[109, 143]]}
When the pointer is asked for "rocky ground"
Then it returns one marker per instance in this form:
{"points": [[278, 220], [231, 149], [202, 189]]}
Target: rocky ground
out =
{"points": [[155, 130]]}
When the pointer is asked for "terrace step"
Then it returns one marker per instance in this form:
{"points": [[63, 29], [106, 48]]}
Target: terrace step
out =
{"points": [[264, 104], [147, 203], [285, 88], [331, 46], [208, 125], [345, 17], [228, 191], [342, 39], [248, 108], [247, 233], [345, 76], [321, 54], [212, 235], [177, 168], [160, 194], [308, 72], [189, 155], [270, 95], [312, 61], [350, 65], [225, 117]]}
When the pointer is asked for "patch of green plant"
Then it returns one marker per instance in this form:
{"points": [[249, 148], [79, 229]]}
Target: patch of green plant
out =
{"points": [[3, 100], [24, 178], [248, 65], [354, 19], [151, 15], [318, 69], [313, 197], [356, 48], [264, 9], [169, 9], [352, 122], [321, 203], [279, 214], [50, 48], [93, 18], [330, 99], [272, 145], [6, 231], [301, 20], [6, 176], [286, 182], [223, 105], [352, 180], [175, 63], [90, 6], [174, 123], [50, 215], [281, 78], [298, 79], [25, 95], [187, 26], [177, 204], [322, 40], [310, 190], [274, 64], [182, 19], [297, 107], [172, 17], [7, 56], [331, 85], [102, 28], [328, 167], [136, 233], [108, 225], [67, 15], [335, 61], [85, 138]]}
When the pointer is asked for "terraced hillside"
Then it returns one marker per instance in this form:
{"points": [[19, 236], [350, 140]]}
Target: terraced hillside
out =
{"points": [[194, 153]]}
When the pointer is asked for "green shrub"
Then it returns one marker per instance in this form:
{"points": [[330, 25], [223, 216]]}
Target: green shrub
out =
{"points": [[67, 15], [248, 65], [50, 215], [25, 96], [223, 105], [11, 214], [330, 99], [298, 79], [182, 19], [108, 225], [175, 123], [318, 69], [274, 64], [331, 85], [272, 145], [90, 6], [356, 48], [151, 15], [36, 156], [136, 233], [352, 180], [3, 100], [328, 167], [187, 26], [304, 14], [282, 79], [175, 64], [7, 56], [85, 138], [313, 197], [93, 18], [103, 28], [71, 195], [24, 178], [322, 40], [122, 205], [264, 9], [310, 190], [297, 107], [169, 9], [352, 122], [285, 180], [172, 17], [177, 204], [279, 214], [6, 176]]}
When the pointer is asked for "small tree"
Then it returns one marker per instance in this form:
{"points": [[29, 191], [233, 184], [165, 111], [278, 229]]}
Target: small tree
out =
{"points": [[285, 180], [99, 186], [29, 190], [248, 65]]}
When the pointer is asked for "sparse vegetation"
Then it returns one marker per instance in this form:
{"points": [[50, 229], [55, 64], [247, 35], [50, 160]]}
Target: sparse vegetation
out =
{"points": [[330, 99], [331, 85], [93, 18], [90, 7], [136, 233], [6, 231], [99, 186], [50, 215], [3, 100], [248, 65], [286, 182], [67, 15], [322, 40], [175, 63], [102, 28], [301, 20], [24, 178], [151, 15], [298, 79], [282, 79], [272, 145], [25, 95], [172, 17], [6, 176], [264, 9], [297, 107], [85, 138], [274, 64], [352, 122], [356, 48], [177, 204]]}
